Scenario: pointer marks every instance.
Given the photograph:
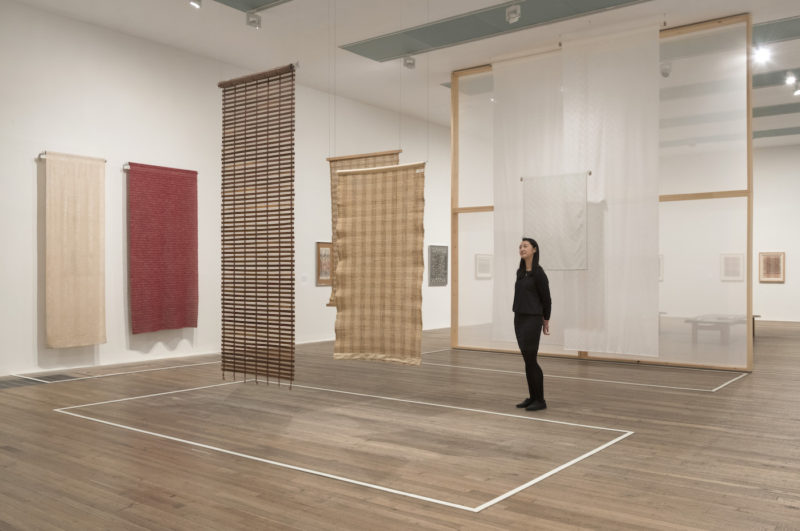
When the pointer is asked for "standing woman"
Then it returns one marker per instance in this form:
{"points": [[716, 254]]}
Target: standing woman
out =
{"points": [[531, 316]]}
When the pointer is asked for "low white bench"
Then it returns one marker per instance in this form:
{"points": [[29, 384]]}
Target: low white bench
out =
{"points": [[718, 322]]}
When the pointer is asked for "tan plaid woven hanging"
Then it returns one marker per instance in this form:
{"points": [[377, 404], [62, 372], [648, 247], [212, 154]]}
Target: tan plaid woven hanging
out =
{"points": [[352, 162], [379, 292]]}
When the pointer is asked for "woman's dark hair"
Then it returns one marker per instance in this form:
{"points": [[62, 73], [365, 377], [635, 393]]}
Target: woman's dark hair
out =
{"points": [[535, 256]]}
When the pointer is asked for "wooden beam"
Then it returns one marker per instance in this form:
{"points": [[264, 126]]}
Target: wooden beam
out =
{"points": [[454, 77], [749, 265], [365, 155], [707, 25], [703, 195], [468, 210], [471, 71]]}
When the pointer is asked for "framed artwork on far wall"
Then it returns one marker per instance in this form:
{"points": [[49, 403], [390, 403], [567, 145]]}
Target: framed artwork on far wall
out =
{"points": [[324, 264], [771, 267], [483, 266], [437, 265], [731, 267]]}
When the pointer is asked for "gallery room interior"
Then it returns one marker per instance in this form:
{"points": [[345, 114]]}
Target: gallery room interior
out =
{"points": [[262, 264]]}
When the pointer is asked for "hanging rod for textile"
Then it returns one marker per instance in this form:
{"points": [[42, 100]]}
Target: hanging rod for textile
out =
{"points": [[588, 172], [126, 166], [43, 156]]}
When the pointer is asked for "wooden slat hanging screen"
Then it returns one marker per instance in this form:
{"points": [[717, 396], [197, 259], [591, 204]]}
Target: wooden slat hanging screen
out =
{"points": [[352, 162], [258, 225]]}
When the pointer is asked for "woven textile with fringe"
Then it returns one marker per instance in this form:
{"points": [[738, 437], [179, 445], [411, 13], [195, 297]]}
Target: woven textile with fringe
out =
{"points": [[75, 279], [379, 292], [162, 248], [352, 162]]}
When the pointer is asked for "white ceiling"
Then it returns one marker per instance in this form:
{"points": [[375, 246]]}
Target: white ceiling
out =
{"points": [[311, 31]]}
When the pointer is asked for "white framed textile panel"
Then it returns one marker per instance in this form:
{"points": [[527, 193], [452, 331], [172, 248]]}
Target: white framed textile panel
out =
{"points": [[528, 122]]}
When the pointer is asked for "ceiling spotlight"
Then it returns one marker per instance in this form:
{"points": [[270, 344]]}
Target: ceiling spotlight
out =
{"points": [[254, 20], [197, 4], [761, 55], [790, 78], [513, 13], [409, 62]]}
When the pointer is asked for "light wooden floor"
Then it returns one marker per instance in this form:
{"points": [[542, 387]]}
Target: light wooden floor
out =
{"points": [[709, 449]]}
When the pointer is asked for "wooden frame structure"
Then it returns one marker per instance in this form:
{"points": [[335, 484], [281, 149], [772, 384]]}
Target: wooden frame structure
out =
{"points": [[456, 210]]}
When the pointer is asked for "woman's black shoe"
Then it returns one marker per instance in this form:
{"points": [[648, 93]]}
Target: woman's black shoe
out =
{"points": [[526, 402], [536, 405]]}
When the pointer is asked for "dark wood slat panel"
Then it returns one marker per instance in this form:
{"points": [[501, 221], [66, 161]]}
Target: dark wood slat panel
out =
{"points": [[258, 225], [236, 84]]}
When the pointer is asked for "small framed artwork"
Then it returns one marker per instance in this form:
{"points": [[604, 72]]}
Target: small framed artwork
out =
{"points": [[731, 267], [437, 265], [483, 266], [324, 264], [771, 267]]}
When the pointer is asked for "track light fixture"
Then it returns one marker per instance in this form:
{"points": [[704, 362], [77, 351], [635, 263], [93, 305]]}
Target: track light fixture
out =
{"points": [[197, 4], [254, 20], [513, 13], [409, 62], [791, 79]]}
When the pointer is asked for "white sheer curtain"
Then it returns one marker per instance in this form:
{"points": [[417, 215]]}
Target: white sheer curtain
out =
{"points": [[554, 209], [528, 120], [592, 106]]}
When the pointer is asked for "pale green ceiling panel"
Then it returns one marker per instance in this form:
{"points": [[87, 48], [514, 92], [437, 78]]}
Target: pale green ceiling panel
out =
{"points": [[477, 25], [251, 5], [776, 31]]}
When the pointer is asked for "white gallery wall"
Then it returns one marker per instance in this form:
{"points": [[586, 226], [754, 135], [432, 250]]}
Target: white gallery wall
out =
{"points": [[76, 88], [776, 218], [700, 231], [776, 185], [694, 235], [475, 188]]}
